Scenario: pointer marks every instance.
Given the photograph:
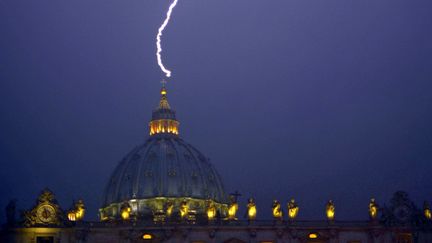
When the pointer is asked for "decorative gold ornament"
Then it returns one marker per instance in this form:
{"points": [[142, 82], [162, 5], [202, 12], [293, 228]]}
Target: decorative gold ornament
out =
{"points": [[373, 209], [277, 210], [46, 211], [330, 210], [251, 209], [293, 209]]}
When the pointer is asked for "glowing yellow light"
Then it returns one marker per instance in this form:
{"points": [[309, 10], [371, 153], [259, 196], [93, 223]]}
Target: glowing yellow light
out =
{"points": [[373, 209], [330, 210], [251, 209], [252, 212], [169, 209], [211, 212], [330, 214], [313, 236], [125, 215], [293, 209], [232, 211], [80, 213], [428, 213], [184, 209], [163, 126], [72, 216], [125, 211], [277, 212], [147, 236], [79, 210]]}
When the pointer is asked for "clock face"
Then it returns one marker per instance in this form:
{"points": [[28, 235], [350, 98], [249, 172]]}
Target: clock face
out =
{"points": [[46, 213]]}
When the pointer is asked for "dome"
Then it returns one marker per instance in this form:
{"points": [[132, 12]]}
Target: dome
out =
{"points": [[164, 168]]}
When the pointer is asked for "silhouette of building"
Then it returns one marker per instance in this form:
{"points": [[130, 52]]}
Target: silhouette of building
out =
{"points": [[167, 191]]}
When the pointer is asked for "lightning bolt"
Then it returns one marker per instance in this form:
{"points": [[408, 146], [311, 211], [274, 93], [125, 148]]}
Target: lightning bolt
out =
{"points": [[158, 39]]}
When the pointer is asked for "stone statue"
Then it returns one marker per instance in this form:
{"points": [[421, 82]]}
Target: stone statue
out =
{"points": [[373, 209], [427, 211], [184, 209], [211, 210], [79, 210], [251, 209], [233, 208], [11, 212], [292, 209], [169, 206], [277, 210], [330, 210]]}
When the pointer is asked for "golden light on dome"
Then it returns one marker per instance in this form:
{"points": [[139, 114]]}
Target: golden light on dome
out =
{"points": [[211, 210], [125, 214], [313, 236], [211, 213], [147, 237], [125, 211], [164, 126]]}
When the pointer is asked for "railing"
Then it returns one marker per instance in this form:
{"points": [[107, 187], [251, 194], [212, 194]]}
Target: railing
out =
{"points": [[237, 223]]}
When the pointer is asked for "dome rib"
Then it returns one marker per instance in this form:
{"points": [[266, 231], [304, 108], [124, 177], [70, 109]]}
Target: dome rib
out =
{"points": [[199, 168], [140, 169]]}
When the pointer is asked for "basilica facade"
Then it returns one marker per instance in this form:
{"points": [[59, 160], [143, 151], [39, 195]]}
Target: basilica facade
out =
{"points": [[165, 190]]}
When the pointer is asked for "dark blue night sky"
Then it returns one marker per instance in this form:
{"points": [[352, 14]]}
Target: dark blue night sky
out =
{"points": [[309, 99]]}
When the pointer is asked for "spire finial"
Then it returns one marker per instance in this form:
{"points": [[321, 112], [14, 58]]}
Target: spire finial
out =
{"points": [[163, 90]]}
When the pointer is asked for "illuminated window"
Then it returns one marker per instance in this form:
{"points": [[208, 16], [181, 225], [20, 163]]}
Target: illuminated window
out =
{"points": [[147, 237]]}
